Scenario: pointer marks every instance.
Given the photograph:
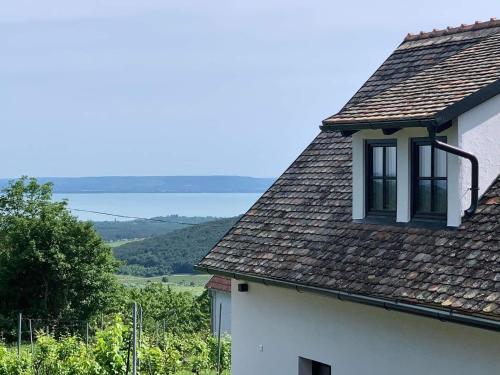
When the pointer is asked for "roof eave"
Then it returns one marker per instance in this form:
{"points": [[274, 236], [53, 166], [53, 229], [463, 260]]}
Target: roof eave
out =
{"points": [[374, 125], [438, 120], [445, 315], [466, 104]]}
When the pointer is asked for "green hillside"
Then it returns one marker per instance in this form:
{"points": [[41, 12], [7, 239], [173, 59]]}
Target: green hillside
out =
{"points": [[132, 229], [174, 252]]}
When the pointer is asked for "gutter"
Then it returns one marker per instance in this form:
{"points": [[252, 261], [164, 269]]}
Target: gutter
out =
{"points": [[444, 315], [374, 125], [474, 189]]}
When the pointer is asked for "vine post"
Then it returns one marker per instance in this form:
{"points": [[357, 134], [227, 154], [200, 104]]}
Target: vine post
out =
{"points": [[218, 339], [19, 333], [31, 337], [134, 339]]}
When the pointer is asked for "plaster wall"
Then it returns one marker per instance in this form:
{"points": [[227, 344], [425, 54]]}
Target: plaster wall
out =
{"points": [[273, 327], [221, 299], [479, 133]]}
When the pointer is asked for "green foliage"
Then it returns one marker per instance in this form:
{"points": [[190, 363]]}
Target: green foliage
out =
{"points": [[107, 355], [10, 364], [109, 346], [178, 312], [225, 352], [56, 268], [68, 356], [51, 264], [174, 252]]}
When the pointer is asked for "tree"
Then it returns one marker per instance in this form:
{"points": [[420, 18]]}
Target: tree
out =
{"points": [[181, 312], [51, 264]]}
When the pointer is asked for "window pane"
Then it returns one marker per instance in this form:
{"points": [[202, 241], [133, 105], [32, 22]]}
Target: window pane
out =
{"points": [[378, 160], [377, 195], [440, 197], [424, 161], [390, 161], [390, 186], [423, 202], [439, 163]]}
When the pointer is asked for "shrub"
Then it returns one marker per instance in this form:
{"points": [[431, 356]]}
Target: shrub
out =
{"points": [[11, 365], [168, 354], [68, 356]]}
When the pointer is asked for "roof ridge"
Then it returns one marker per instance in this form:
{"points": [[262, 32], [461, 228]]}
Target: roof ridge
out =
{"points": [[478, 25]]}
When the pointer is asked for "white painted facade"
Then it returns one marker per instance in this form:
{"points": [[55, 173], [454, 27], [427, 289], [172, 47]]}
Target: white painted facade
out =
{"points": [[479, 131], [272, 327], [220, 301], [476, 131]]}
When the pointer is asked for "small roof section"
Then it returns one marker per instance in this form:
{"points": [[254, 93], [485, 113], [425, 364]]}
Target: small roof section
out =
{"points": [[429, 79], [220, 283]]}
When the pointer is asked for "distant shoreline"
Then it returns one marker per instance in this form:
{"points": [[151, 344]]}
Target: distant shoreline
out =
{"points": [[155, 184], [157, 192]]}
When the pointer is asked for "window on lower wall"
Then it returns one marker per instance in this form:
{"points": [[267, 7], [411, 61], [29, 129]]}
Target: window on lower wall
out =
{"points": [[381, 185], [429, 185], [310, 367]]}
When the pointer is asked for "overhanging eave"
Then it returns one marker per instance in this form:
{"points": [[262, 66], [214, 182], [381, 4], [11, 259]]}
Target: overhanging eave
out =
{"points": [[374, 125]]}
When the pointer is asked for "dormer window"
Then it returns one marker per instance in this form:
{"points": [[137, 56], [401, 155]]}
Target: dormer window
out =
{"points": [[381, 177], [429, 186]]}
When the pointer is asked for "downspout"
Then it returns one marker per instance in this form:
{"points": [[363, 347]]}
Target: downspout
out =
{"points": [[474, 189]]}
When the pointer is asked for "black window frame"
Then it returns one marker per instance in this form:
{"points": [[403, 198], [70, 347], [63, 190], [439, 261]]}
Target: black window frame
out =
{"points": [[369, 144], [415, 178]]}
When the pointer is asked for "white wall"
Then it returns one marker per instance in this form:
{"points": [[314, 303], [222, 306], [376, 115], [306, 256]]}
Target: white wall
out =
{"points": [[479, 133], [272, 327], [218, 298]]}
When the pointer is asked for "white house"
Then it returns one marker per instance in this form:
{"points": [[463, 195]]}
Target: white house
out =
{"points": [[219, 289], [378, 250]]}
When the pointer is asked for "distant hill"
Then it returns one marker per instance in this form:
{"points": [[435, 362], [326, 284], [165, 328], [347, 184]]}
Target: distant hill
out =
{"points": [[156, 184], [131, 229], [174, 252]]}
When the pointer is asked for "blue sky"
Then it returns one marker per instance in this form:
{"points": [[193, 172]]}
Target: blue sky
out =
{"points": [[157, 87]]}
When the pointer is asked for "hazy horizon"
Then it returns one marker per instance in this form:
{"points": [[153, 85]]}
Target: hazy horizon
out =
{"points": [[165, 88], [138, 175]]}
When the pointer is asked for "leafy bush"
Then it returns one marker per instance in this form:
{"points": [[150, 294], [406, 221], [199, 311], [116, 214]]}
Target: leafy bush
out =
{"points": [[225, 352], [107, 355], [67, 356], [178, 312], [108, 350], [10, 364]]}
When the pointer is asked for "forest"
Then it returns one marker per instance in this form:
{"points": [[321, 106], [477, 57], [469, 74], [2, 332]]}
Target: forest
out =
{"points": [[174, 252], [140, 229]]}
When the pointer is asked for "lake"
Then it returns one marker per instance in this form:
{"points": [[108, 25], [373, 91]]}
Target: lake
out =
{"points": [[159, 204]]}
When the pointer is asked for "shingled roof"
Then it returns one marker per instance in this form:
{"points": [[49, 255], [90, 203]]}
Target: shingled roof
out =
{"points": [[301, 231], [430, 77], [219, 283]]}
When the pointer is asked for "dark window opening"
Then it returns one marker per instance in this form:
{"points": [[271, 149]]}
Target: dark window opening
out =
{"points": [[310, 367], [320, 369], [381, 185], [430, 180]]}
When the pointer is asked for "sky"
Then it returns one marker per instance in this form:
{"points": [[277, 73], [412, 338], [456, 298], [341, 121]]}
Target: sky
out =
{"points": [[160, 87]]}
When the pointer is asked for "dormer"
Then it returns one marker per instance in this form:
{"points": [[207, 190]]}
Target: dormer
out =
{"points": [[425, 128]]}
